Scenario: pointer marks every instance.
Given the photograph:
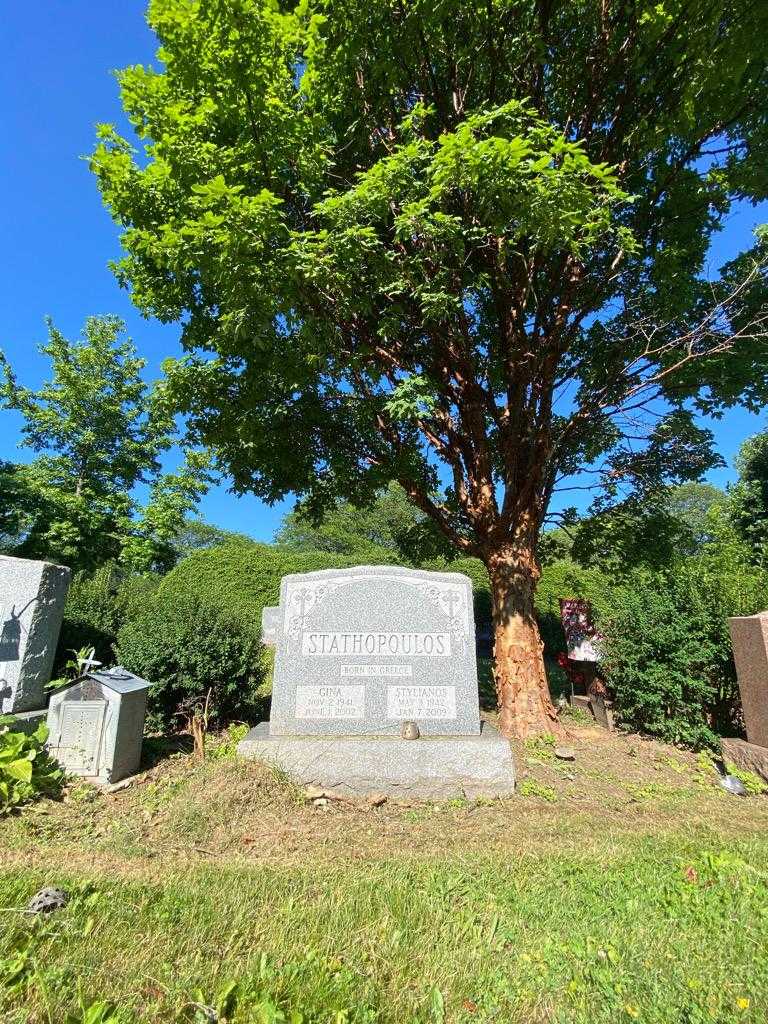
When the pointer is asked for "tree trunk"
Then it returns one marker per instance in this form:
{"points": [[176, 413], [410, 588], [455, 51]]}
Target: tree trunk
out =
{"points": [[525, 705]]}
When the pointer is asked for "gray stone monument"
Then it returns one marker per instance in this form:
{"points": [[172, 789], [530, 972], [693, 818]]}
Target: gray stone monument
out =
{"points": [[96, 724], [361, 651], [32, 596]]}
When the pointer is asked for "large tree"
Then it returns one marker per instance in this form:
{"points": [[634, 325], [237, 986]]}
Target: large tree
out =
{"points": [[97, 435], [459, 245]]}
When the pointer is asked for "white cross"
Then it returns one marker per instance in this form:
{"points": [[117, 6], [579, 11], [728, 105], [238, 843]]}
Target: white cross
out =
{"points": [[88, 662]]}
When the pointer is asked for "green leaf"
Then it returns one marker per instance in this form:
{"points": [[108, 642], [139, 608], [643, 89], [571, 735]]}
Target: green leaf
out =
{"points": [[20, 769]]}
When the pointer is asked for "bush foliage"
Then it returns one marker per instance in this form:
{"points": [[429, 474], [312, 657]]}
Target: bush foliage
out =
{"points": [[97, 606], [186, 647], [243, 577], [668, 652], [26, 770]]}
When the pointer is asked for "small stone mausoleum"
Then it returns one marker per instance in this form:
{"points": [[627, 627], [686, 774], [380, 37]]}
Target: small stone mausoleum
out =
{"points": [[96, 724]]}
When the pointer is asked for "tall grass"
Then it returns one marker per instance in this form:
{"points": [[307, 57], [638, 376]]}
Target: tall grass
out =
{"points": [[661, 930]]}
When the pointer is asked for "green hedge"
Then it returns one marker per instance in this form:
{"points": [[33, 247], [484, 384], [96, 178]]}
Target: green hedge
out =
{"points": [[188, 647], [668, 651], [244, 578], [97, 605]]}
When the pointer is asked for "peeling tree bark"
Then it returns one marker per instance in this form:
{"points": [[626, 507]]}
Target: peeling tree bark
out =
{"points": [[525, 705]]}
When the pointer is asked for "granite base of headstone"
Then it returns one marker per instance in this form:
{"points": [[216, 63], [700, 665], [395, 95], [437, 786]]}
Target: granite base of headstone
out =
{"points": [[32, 596], [361, 651], [749, 638]]}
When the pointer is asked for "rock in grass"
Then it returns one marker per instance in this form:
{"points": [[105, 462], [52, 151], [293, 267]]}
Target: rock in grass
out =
{"points": [[733, 785], [117, 787], [48, 900], [565, 754]]}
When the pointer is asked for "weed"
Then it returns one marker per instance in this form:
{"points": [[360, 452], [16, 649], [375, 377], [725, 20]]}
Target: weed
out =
{"points": [[673, 763], [531, 787], [225, 745], [753, 784], [541, 749], [576, 715], [654, 791], [290, 788], [99, 1012]]}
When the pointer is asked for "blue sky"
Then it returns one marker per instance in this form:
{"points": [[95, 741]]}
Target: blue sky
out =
{"points": [[55, 86]]}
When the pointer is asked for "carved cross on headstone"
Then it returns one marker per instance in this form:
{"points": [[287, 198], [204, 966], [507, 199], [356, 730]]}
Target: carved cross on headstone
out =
{"points": [[453, 600]]}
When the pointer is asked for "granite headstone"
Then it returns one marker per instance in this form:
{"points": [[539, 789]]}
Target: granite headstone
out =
{"points": [[749, 636], [32, 596], [359, 652], [362, 650]]}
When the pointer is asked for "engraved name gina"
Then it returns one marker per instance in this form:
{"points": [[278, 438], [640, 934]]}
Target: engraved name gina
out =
{"points": [[414, 645]]}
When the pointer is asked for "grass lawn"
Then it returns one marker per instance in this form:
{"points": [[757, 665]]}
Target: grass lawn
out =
{"points": [[625, 886]]}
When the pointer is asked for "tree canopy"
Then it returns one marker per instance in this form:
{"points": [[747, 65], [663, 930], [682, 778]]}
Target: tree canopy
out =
{"points": [[463, 246], [748, 499], [389, 526], [97, 435]]}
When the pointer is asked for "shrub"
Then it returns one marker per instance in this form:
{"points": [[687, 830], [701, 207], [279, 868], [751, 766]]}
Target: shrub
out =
{"points": [[186, 646], [97, 606], [243, 577], [668, 652], [26, 770]]}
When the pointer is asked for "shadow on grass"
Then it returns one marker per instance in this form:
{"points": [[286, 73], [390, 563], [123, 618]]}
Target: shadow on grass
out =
{"points": [[157, 749]]}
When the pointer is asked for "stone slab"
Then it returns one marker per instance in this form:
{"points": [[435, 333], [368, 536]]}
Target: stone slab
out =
{"points": [[32, 596], [749, 636], [746, 755], [436, 768], [28, 721], [96, 724], [360, 650]]}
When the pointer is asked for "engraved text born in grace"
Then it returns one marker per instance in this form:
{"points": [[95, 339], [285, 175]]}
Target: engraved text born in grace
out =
{"points": [[413, 645], [398, 671]]}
